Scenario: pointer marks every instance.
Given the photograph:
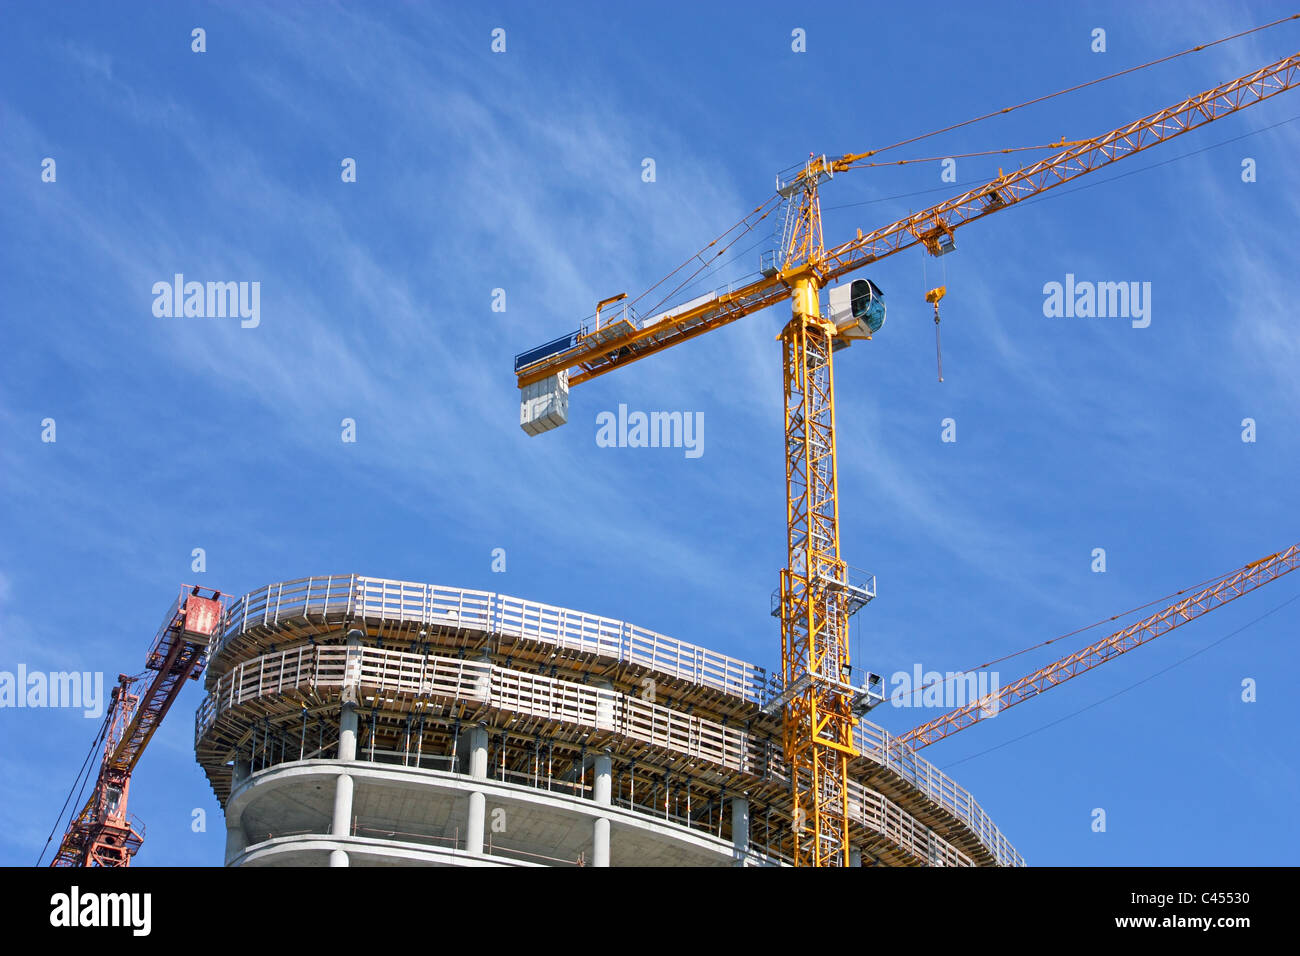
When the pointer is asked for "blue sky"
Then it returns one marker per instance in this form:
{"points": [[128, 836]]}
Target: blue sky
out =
{"points": [[522, 171]]}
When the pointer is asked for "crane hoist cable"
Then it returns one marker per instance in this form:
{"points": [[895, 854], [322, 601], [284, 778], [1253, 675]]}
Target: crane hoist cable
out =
{"points": [[83, 776], [933, 295]]}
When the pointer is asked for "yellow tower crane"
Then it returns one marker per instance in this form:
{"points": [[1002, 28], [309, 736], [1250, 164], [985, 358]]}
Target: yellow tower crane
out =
{"points": [[818, 593]]}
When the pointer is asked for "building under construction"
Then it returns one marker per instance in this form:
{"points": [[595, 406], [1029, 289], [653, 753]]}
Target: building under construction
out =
{"points": [[359, 721], [353, 720]]}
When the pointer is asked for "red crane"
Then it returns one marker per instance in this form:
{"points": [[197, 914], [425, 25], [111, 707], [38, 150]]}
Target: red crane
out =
{"points": [[103, 834]]}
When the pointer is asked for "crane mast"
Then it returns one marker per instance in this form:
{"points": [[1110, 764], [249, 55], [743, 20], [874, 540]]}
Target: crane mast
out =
{"points": [[103, 834], [817, 729], [818, 718], [818, 703]]}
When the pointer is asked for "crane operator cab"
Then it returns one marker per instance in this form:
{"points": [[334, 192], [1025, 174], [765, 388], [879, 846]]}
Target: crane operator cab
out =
{"points": [[858, 310]]}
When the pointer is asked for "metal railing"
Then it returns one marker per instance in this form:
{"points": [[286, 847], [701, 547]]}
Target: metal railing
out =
{"points": [[561, 344], [880, 746], [382, 672], [340, 599]]}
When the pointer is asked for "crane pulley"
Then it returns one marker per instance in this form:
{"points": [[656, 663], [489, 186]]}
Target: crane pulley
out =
{"points": [[933, 296]]}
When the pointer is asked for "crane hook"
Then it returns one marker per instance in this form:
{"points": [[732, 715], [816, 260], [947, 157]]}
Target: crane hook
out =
{"points": [[933, 296]]}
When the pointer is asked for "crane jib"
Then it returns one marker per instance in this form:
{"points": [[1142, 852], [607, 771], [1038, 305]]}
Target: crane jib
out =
{"points": [[586, 358]]}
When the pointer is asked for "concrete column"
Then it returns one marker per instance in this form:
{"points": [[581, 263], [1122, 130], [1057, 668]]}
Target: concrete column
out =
{"points": [[477, 761], [855, 856], [348, 716], [603, 789], [235, 842], [348, 732], [342, 823], [600, 842], [477, 757], [739, 831], [341, 826], [602, 793], [474, 827]]}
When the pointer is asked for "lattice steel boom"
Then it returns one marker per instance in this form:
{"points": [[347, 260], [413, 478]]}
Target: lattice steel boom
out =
{"points": [[1254, 575]]}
